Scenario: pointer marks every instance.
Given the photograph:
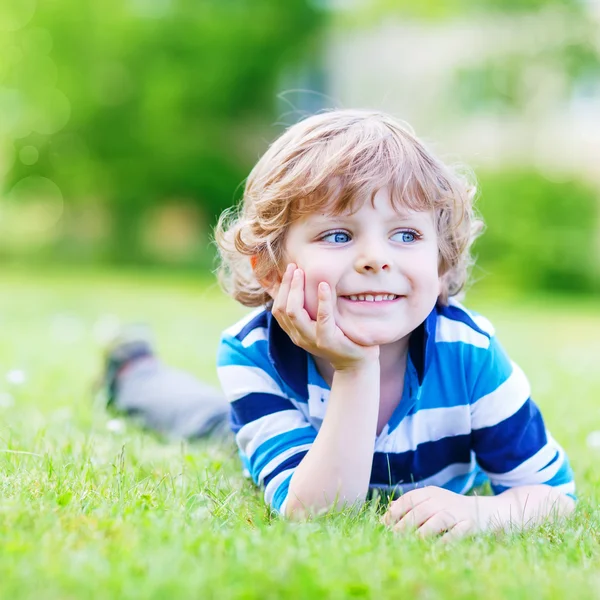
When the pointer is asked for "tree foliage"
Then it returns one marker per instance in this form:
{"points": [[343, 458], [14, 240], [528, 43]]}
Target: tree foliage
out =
{"points": [[135, 101]]}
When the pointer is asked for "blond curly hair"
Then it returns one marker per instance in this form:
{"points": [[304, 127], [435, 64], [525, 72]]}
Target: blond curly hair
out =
{"points": [[340, 158]]}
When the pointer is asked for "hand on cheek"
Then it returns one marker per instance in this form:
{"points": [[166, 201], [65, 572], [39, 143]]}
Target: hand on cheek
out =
{"points": [[320, 336]]}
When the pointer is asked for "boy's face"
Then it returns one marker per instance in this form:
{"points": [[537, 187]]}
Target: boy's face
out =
{"points": [[382, 267]]}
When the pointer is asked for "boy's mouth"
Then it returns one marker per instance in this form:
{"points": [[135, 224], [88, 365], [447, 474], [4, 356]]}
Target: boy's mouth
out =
{"points": [[372, 297]]}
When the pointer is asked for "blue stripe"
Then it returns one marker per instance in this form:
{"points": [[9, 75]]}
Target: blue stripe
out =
{"points": [[503, 447], [274, 446], [261, 320], [427, 460], [498, 489], [289, 463], [489, 371], [281, 493], [255, 406], [446, 385], [230, 354], [563, 475], [456, 484]]}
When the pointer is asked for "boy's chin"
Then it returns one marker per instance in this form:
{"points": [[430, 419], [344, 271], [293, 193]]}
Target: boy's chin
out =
{"points": [[369, 338]]}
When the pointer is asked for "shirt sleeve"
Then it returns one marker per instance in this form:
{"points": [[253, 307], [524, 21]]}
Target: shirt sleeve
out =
{"points": [[510, 440], [273, 436]]}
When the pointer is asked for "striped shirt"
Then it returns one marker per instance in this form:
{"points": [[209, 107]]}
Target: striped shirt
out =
{"points": [[465, 415]]}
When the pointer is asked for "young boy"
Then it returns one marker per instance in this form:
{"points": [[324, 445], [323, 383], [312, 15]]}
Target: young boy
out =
{"points": [[361, 370]]}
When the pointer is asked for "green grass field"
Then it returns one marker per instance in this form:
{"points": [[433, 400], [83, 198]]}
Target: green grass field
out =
{"points": [[90, 511]]}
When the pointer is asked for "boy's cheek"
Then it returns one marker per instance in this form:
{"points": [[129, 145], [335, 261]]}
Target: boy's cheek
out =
{"points": [[311, 303], [311, 298]]}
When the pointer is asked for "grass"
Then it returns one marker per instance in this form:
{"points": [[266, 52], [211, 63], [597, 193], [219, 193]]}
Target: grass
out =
{"points": [[92, 511]]}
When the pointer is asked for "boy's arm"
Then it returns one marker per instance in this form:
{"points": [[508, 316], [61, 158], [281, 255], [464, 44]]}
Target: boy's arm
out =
{"points": [[336, 470], [433, 510], [276, 440], [526, 506]]}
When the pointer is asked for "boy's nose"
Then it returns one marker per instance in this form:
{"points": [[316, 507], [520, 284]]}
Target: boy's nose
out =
{"points": [[372, 260]]}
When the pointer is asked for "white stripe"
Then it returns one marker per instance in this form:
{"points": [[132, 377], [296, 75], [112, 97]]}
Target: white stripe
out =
{"points": [[503, 402], [260, 333], [427, 425], [532, 477], [479, 320], [484, 324], [237, 327], [469, 484], [239, 380], [283, 505], [550, 471], [255, 433], [449, 330], [271, 488], [280, 458], [317, 401]]}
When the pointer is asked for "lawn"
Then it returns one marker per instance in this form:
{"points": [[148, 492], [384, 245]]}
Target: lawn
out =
{"points": [[91, 509]]}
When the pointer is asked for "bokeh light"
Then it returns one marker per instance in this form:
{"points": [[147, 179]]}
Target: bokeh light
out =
{"points": [[33, 207], [15, 15]]}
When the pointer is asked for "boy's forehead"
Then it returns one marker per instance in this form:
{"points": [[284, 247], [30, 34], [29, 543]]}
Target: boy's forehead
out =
{"points": [[381, 202]]}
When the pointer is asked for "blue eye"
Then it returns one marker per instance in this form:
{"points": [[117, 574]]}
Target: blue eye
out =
{"points": [[336, 237], [406, 237]]}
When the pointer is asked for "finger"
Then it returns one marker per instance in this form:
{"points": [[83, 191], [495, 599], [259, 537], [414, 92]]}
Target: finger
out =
{"points": [[415, 518], [283, 291], [325, 319], [460, 530], [405, 504], [295, 311], [439, 523]]}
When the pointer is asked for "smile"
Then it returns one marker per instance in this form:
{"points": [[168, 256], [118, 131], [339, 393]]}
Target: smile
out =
{"points": [[371, 297]]}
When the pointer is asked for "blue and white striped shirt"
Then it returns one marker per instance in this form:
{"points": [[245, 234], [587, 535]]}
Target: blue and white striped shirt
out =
{"points": [[465, 414]]}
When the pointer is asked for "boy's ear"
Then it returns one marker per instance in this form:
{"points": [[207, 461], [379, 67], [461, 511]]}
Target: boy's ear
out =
{"points": [[271, 282]]}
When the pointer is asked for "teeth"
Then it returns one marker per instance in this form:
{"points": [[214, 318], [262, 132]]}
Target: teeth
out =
{"points": [[371, 298]]}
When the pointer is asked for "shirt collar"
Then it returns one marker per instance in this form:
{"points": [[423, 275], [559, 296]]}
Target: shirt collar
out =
{"points": [[291, 361]]}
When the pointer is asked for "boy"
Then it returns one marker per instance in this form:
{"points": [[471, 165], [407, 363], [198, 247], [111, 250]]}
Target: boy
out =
{"points": [[363, 371]]}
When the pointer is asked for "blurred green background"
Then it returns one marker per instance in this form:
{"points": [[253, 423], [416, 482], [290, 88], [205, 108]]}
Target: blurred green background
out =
{"points": [[126, 126]]}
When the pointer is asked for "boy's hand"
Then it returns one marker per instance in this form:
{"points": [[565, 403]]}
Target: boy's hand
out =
{"points": [[433, 511], [322, 337]]}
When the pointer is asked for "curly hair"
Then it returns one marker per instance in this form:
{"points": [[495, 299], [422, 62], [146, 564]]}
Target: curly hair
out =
{"points": [[339, 159]]}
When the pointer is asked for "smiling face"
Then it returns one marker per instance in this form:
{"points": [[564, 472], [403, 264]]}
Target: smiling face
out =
{"points": [[381, 265]]}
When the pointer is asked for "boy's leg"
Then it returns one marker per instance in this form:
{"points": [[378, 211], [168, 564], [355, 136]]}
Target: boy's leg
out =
{"points": [[167, 400], [170, 401]]}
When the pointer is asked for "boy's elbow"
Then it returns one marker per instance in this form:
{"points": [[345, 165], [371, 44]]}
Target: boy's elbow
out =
{"points": [[565, 504], [295, 510], [558, 503], [299, 510]]}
